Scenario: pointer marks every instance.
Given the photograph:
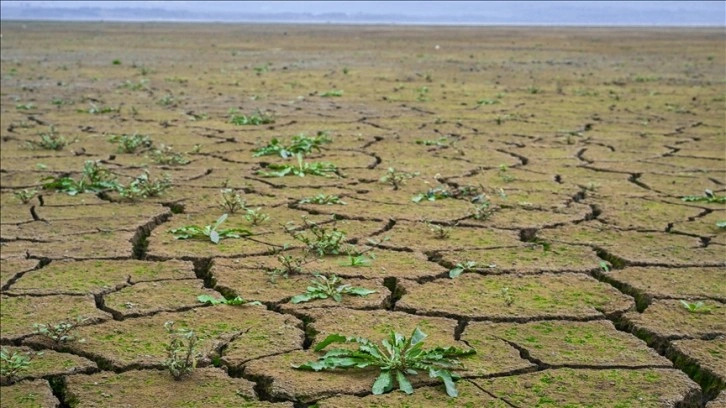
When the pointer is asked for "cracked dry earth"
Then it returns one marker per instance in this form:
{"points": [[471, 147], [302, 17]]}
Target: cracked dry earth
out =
{"points": [[584, 141]]}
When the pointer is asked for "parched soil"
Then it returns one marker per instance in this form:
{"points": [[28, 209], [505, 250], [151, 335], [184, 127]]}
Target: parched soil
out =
{"points": [[575, 177]]}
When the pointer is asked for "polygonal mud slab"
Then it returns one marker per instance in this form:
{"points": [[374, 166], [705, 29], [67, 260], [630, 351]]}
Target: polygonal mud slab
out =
{"points": [[207, 200], [15, 214], [534, 297], [425, 397], [522, 217], [493, 356], [667, 320], [573, 344], [383, 263], [19, 313], [132, 211], [51, 363], [11, 267], [680, 184], [68, 229], [298, 182], [140, 342], [81, 277], [719, 402], [281, 381], [653, 283], [705, 226], [638, 248], [152, 297], [418, 236], [205, 387], [102, 245], [644, 214], [30, 394], [565, 387], [529, 259], [368, 207], [703, 360]]}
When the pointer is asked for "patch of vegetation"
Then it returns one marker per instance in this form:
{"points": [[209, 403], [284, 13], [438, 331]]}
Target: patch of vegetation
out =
{"points": [[289, 265], [254, 119], [181, 351], [399, 357], [142, 85], [13, 362], [165, 155], [318, 239], [323, 199], [255, 216], [299, 144], [96, 110], [323, 287], [332, 93], [504, 174], [439, 231], [231, 201], [507, 296], [211, 232], [25, 106], [396, 178], [707, 197], [460, 268], [432, 194], [698, 307], [359, 260], [236, 301], [25, 195], [301, 169], [487, 102], [442, 141], [94, 178], [721, 224], [61, 332], [144, 187], [131, 143], [50, 140]]}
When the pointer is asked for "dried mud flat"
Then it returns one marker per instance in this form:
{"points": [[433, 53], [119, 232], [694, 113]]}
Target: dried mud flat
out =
{"points": [[584, 142]]}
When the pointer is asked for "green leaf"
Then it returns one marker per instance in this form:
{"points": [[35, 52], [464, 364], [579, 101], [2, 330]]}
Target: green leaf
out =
{"points": [[305, 297], [418, 336], [456, 272], [333, 338], [445, 375], [209, 299], [403, 383], [359, 291], [383, 383], [214, 237]]}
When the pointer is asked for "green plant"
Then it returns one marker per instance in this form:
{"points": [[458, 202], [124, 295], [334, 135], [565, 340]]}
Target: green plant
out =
{"points": [[167, 100], [698, 307], [396, 178], [144, 187], [421, 94], [61, 332], [533, 90], [460, 268], [708, 197], [507, 296], [303, 168], [131, 143], [94, 178], [721, 224], [25, 106], [442, 141], [255, 216], [483, 210], [604, 266], [359, 260], [13, 362], [48, 141], [332, 93], [236, 301], [323, 287], [487, 102], [439, 231], [165, 155], [25, 195], [95, 110], [299, 144], [116, 62], [181, 352], [257, 118], [398, 358], [290, 265], [211, 231], [432, 194], [231, 201], [319, 239], [504, 174], [323, 199], [142, 85]]}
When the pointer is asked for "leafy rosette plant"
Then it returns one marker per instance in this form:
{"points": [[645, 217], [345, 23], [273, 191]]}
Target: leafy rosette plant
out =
{"points": [[398, 358]]}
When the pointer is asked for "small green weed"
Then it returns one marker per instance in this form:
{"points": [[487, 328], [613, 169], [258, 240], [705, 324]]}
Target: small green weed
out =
{"points": [[212, 231], [257, 118], [323, 199], [231, 201], [290, 265], [698, 307], [432, 194], [504, 174], [442, 141], [299, 144], [323, 169], [25, 195], [94, 178], [359, 260], [50, 140], [236, 301], [96, 110], [165, 155], [332, 93], [144, 186], [398, 358], [708, 197], [439, 231], [13, 362], [255, 216], [396, 178], [318, 239], [323, 287], [181, 352], [61, 332], [131, 143], [460, 268]]}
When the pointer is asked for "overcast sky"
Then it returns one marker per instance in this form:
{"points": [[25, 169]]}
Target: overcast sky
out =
{"points": [[545, 12]]}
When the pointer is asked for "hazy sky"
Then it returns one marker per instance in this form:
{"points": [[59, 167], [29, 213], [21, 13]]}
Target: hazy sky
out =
{"points": [[545, 12]]}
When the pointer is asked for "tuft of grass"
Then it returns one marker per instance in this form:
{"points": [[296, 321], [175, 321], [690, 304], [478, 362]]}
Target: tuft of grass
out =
{"points": [[324, 287], [254, 119]]}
